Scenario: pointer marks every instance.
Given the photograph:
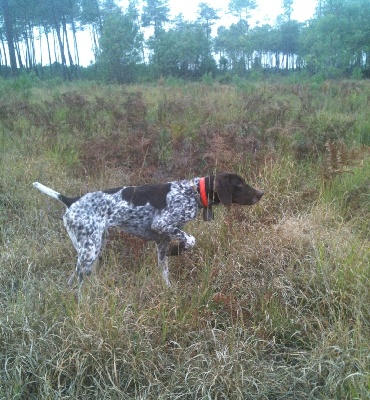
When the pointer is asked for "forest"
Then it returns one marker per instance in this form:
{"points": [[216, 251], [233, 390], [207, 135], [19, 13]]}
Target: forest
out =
{"points": [[141, 43]]}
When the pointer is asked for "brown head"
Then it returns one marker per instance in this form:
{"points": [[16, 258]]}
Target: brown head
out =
{"points": [[232, 188]]}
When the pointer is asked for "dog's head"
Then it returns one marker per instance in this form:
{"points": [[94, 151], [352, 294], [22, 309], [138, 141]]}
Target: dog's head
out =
{"points": [[232, 188]]}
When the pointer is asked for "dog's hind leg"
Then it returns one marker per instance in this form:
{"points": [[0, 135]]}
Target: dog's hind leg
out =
{"points": [[85, 262], [87, 254]]}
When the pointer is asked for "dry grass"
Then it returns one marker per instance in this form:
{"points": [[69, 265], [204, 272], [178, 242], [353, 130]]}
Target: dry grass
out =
{"points": [[272, 303]]}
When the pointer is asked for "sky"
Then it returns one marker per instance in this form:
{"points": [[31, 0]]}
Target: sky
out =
{"points": [[266, 12]]}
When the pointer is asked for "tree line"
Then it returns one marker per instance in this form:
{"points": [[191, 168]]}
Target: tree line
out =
{"points": [[141, 42]]}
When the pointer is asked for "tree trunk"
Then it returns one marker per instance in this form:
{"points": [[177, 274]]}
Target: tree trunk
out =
{"points": [[4, 53], [75, 43], [61, 49], [18, 54], [8, 22], [65, 34]]}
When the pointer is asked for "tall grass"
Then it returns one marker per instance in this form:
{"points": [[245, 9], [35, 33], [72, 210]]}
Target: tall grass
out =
{"points": [[273, 302]]}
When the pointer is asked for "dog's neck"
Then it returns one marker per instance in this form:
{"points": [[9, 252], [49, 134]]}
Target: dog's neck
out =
{"points": [[210, 196], [207, 197]]}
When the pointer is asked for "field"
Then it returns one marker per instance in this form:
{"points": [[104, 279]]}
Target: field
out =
{"points": [[272, 303]]}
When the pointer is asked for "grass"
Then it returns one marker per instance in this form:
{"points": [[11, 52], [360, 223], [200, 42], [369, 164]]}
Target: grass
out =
{"points": [[272, 303]]}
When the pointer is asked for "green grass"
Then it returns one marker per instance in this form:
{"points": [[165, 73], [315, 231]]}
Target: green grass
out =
{"points": [[272, 303]]}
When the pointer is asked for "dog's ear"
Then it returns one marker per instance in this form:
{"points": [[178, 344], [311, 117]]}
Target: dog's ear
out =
{"points": [[223, 189]]}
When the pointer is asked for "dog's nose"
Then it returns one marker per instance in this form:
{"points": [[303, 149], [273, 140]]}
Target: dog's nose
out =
{"points": [[257, 196]]}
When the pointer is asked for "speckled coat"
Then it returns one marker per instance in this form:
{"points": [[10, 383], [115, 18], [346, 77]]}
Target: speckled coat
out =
{"points": [[154, 212]]}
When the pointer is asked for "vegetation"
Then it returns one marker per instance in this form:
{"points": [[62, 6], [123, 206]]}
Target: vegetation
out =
{"points": [[274, 300], [43, 37]]}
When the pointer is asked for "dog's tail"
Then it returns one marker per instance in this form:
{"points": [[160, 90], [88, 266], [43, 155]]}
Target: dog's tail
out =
{"points": [[67, 201]]}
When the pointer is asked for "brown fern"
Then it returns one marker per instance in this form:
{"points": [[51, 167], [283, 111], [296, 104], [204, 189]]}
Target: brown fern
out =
{"points": [[338, 159]]}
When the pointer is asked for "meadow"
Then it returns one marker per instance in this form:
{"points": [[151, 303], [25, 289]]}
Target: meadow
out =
{"points": [[272, 303]]}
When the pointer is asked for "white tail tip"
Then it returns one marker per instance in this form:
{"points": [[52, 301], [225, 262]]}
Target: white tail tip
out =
{"points": [[44, 189]]}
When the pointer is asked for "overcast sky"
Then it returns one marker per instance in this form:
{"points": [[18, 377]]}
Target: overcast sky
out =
{"points": [[266, 12]]}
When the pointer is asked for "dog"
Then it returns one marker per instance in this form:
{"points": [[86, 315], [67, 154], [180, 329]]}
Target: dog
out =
{"points": [[154, 212]]}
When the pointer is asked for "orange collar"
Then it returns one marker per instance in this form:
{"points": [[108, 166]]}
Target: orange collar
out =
{"points": [[203, 193]]}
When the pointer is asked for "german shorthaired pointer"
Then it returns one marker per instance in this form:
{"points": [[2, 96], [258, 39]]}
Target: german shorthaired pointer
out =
{"points": [[152, 212]]}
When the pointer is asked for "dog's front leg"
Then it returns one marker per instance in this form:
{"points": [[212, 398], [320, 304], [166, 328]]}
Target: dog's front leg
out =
{"points": [[162, 252], [174, 233]]}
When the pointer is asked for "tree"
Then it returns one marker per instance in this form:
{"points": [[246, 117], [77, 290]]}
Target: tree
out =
{"points": [[206, 17], [265, 41], [57, 17], [120, 45], [184, 50], [155, 13], [289, 45], [288, 8], [234, 44], [91, 15], [242, 8], [337, 42], [8, 22]]}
